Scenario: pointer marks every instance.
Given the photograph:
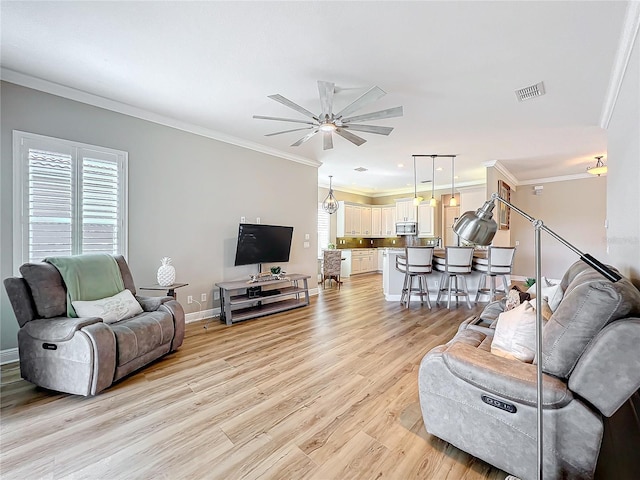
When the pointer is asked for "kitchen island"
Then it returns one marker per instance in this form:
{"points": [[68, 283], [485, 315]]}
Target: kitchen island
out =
{"points": [[392, 279]]}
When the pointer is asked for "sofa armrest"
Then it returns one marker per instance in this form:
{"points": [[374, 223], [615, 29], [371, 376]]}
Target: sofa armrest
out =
{"points": [[608, 372], [57, 329], [510, 379], [151, 304], [176, 311], [477, 324]]}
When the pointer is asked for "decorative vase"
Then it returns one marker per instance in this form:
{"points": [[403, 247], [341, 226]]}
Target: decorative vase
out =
{"points": [[166, 273]]}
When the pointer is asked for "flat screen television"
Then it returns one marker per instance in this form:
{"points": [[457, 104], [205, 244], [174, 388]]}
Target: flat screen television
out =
{"points": [[258, 243]]}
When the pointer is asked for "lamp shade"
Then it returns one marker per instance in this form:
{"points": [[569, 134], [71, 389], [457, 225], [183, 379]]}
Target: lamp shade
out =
{"points": [[477, 227]]}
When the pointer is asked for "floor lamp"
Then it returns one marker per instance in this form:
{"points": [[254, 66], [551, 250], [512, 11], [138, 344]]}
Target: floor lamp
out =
{"points": [[479, 228]]}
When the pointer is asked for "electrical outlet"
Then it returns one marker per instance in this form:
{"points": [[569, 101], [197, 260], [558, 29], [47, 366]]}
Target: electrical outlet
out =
{"points": [[258, 220], [306, 236], [189, 298], [242, 219], [203, 297], [216, 295]]}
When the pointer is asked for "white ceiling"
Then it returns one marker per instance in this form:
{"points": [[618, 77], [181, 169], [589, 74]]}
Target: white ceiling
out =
{"points": [[453, 66]]}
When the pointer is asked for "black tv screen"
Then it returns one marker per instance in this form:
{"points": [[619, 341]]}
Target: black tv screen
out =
{"points": [[259, 243]]}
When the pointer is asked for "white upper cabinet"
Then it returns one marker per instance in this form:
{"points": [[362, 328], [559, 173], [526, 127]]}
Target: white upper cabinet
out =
{"points": [[388, 221], [376, 222], [425, 220], [356, 220], [405, 210]]}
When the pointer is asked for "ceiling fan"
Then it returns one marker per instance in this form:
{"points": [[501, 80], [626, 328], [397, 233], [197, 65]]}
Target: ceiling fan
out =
{"points": [[341, 123]]}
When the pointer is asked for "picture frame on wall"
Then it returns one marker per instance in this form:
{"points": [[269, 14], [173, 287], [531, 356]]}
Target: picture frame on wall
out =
{"points": [[504, 190]]}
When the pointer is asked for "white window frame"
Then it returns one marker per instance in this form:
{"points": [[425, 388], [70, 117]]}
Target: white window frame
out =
{"points": [[21, 143], [321, 244]]}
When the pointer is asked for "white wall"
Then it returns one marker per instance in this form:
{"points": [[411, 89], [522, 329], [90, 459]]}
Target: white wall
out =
{"points": [[186, 194], [623, 177]]}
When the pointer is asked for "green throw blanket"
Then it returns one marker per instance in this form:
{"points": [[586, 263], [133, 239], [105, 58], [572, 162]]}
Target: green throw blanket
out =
{"points": [[88, 277]]}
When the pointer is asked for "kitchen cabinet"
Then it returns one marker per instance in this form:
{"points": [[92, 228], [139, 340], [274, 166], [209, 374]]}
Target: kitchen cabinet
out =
{"points": [[362, 260], [425, 220], [388, 214], [405, 210], [365, 221], [380, 259], [348, 220], [376, 222], [353, 220]]}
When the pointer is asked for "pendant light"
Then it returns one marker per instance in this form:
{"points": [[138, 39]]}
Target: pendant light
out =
{"points": [[452, 202], [416, 199], [599, 168], [433, 202], [330, 204]]}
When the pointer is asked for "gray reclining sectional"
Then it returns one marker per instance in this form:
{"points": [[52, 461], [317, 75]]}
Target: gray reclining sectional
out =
{"points": [[591, 365], [85, 355]]}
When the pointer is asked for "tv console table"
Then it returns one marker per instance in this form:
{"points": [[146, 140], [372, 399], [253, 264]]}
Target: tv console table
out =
{"points": [[236, 304]]}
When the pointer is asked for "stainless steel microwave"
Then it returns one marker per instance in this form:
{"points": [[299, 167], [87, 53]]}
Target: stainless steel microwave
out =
{"points": [[406, 228]]}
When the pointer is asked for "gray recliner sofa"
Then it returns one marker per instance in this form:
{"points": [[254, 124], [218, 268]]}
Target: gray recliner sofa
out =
{"points": [[85, 355], [485, 404]]}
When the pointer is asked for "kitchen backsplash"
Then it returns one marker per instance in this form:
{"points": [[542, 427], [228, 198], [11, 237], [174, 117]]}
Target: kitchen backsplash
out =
{"points": [[398, 242]]}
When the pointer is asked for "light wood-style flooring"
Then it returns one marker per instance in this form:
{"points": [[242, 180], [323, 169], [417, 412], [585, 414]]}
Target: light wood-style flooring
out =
{"points": [[324, 392]]}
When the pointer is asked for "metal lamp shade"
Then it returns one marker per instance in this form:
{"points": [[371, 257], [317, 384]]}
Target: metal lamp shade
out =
{"points": [[477, 227]]}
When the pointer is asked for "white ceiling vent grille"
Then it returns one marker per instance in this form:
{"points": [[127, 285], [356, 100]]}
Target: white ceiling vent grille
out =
{"points": [[530, 92], [361, 169]]}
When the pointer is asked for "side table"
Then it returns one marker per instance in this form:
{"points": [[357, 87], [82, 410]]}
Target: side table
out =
{"points": [[170, 289]]}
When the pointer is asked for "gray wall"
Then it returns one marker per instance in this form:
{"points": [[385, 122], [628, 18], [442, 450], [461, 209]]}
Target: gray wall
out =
{"points": [[186, 194], [623, 177]]}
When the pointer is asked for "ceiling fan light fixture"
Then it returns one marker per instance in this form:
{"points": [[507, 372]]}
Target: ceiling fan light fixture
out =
{"points": [[599, 168], [341, 123], [328, 127]]}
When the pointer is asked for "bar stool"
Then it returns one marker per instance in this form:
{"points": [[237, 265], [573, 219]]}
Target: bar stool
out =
{"points": [[457, 264], [417, 262], [499, 262]]}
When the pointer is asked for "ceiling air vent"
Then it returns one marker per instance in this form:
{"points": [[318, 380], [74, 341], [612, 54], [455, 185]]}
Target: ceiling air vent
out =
{"points": [[530, 92], [361, 169]]}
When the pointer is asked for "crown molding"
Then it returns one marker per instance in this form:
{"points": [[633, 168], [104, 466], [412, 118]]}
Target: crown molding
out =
{"points": [[628, 35], [52, 88], [563, 178], [503, 170]]}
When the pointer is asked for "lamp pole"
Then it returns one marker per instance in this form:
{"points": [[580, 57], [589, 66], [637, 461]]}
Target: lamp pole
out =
{"points": [[479, 227]]}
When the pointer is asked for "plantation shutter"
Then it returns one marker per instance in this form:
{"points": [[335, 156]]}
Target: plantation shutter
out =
{"points": [[72, 198], [323, 229], [50, 204], [101, 206]]}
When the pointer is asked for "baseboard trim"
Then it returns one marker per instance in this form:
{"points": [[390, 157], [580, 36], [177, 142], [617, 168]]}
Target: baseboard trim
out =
{"points": [[201, 315], [9, 355]]}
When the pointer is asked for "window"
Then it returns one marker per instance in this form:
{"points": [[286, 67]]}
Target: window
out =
{"points": [[323, 229], [70, 198]]}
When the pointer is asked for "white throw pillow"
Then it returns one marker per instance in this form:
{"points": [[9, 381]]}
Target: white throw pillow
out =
{"points": [[515, 335], [551, 291], [111, 309]]}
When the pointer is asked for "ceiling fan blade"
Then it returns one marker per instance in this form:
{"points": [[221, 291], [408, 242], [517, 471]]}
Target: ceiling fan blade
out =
{"points": [[305, 138], [287, 131], [295, 106], [280, 119], [388, 113], [371, 95], [326, 90], [327, 141], [369, 129], [350, 136]]}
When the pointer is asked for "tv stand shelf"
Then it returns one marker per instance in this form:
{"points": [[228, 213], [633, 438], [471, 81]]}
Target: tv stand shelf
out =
{"points": [[236, 304]]}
